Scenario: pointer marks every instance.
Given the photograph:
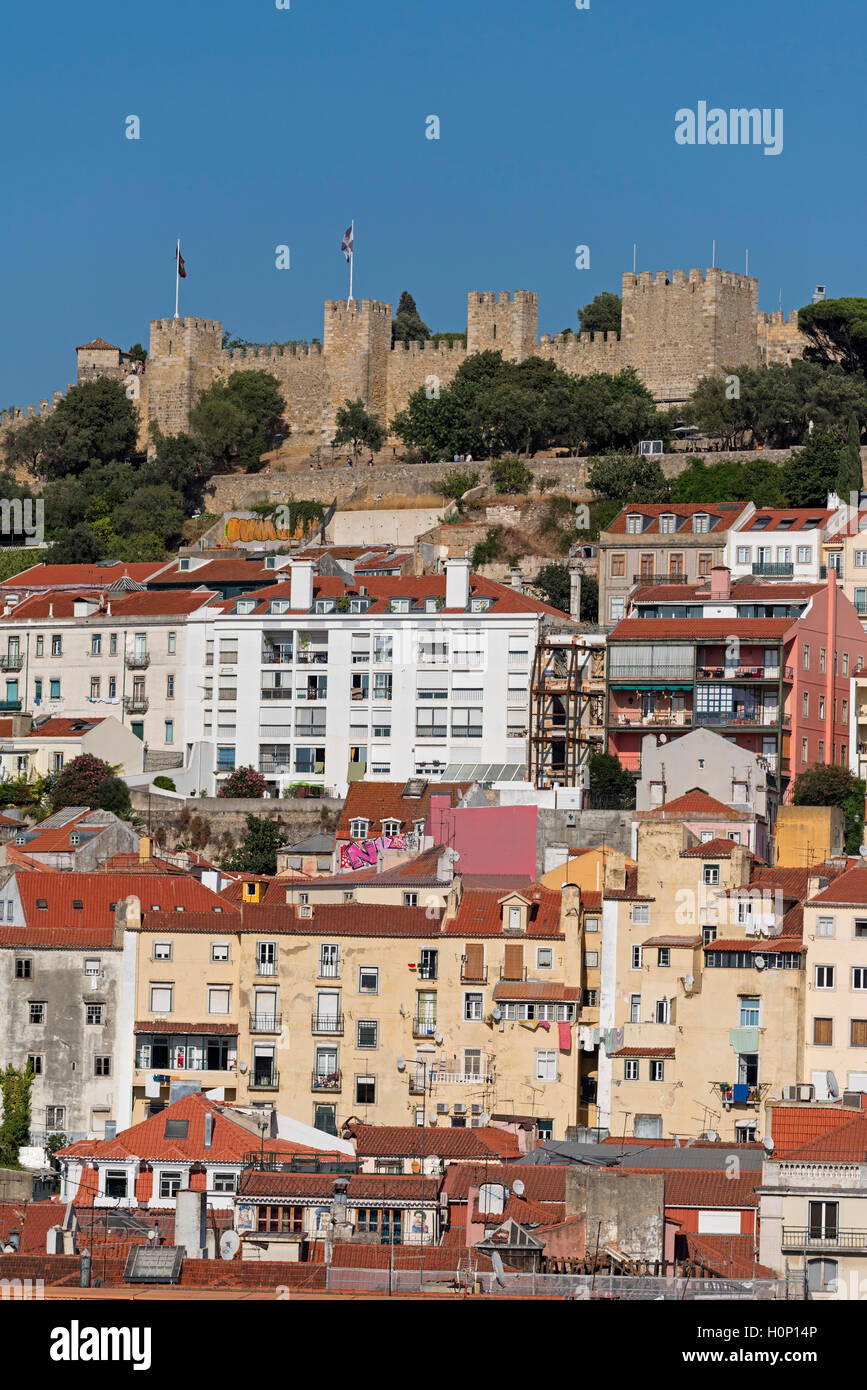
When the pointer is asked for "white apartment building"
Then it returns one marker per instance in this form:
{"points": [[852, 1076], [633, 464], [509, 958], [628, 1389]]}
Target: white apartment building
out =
{"points": [[120, 651], [778, 543], [319, 680]]}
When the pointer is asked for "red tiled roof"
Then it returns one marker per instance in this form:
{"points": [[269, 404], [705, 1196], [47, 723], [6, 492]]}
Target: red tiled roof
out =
{"points": [[147, 1140], [161, 1026], [799, 516], [541, 1184], [377, 1186], [848, 890], [722, 515], [535, 989], [151, 603], [718, 848], [480, 914], [100, 344], [380, 589], [684, 941], [701, 630], [99, 892], [759, 946], [730, 1257], [526, 1213], [845, 1143], [412, 1141], [694, 803], [705, 1187], [86, 576], [794, 1126], [379, 801], [661, 1052], [742, 591]]}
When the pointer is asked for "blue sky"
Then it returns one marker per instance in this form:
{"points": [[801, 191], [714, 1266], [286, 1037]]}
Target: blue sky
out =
{"points": [[262, 127]]}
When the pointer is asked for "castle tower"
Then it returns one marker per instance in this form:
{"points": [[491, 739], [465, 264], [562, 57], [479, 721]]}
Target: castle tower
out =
{"points": [[97, 359], [356, 345], [505, 323], [184, 358], [676, 328]]}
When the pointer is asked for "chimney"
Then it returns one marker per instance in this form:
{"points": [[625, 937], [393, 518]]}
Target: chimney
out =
{"points": [[720, 582], [570, 906], [615, 873], [816, 885], [301, 594], [517, 577], [21, 725], [145, 849], [575, 593], [457, 584], [209, 1129], [51, 610]]}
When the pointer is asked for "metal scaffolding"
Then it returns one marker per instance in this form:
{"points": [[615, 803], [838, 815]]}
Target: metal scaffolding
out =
{"points": [[567, 699]]}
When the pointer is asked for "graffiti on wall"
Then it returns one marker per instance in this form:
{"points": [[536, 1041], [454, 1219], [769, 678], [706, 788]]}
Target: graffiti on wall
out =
{"points": [[364, 853]]}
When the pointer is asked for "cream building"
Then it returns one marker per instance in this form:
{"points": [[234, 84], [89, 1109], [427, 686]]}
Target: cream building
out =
{"points": [[835, 937], [31, 749]]}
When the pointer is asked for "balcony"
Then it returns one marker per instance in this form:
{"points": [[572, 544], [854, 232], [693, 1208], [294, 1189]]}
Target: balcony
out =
{"points": [[223, 768], [332, 1024], [10, 704], [138, 661], [801, 1238], [681, 675], [651, 579], [276, 766], [265, 1081], [311, 656], [135, 704], [634, 719], [266, 1023], [741, 673], [512, 978], [474, 976], [266, 967], [451, 1071], [11, 663], [325, 1081], [328, 970], [277, 656], [756, 718], [739, 1093], [424, 1027], [781, 570], [276, 692]]}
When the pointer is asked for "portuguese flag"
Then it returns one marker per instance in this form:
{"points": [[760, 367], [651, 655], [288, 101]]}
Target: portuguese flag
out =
{"points": [[181, 267]]}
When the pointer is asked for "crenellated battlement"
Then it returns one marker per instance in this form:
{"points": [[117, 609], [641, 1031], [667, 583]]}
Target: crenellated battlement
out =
{"points": [[236, 358], [20, 414], [664, 279], [445, 348]]}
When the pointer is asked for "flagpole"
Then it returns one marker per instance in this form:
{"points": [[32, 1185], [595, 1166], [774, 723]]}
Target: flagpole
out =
{"points": [[351, 257], [177, 274]]}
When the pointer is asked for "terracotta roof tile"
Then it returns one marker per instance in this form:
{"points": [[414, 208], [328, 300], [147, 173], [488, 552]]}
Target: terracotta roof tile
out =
{"points": [[845, 1143], [695, 803], [541, 1184], [379, 801], [794, 1126], [730, 1257], [535, 989], [722, 514], [412, 1141], [378, 1186], [661, 1052], [701, 630], [99, 577]]}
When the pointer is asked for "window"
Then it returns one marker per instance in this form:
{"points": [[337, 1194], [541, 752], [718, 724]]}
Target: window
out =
{"points": [[822, 659], [171, 643], [35, 1063], [858, 1032], [750, 1011], [94, 687], [700, 523], [708, 934], [667, 524], [56, 645], [544, 958], [219, 999], [806, 704], [23, 968], [367, 1034], [428, 963], [473, 1006], [365, 1090], [806, 656], [657, 1070], [640, 914], [630, 1069], [410, 899], [591, 924], [744, 553], [368, 979], [860, 928], [40, 645], [224, 1182], [804, 750], [805, 554], [169, 730], [161, 999], [636, 957], [349, 896], [591, 960], [824, 978], [859, 977], [358, 828], [329, 960], [618, 565], [162, 950], [102, 1066], [37, 1011], [845, 663], [93, 1014], [663, 956], [546, 1065], [823, 1032], [92, 965], [112, 644], [661, 1011], [219, 951], [634, 523], [710, 875], [590, 998], [170, 1183], [54, 689], [825, 926], [822, 1275], [635, 1008]]}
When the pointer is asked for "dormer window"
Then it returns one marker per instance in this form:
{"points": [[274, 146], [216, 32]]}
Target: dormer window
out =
{"points": [[480, 605], [358, 828], [326, 605], [245, 605], [279, 605], [399, 605], [74, 839], [184, 564], [633, 524], [358, 605], [21, 839], [514, 911], [270, 562], [667, 524], [391, 827], [701, 522]]}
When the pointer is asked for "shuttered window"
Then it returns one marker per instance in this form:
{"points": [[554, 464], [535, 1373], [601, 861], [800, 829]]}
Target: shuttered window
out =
{"points": [[513, 968], [474, 964], [822, 1032]]}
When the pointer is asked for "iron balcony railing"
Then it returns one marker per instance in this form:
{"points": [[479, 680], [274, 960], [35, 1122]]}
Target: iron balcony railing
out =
{"points": [[266, 1023], [328, 970], [311, 658], [138, 661], [11, 663], [781, 569], [265, 1080], [511, 977], [801, 1237], [135, 704], [654, 579], [10, 704], [424, 1027], [328, 1023], [277, 656], [325, 1081], [275, 765], [266, 967], [474, 975], [741, 673], [296, 1163], [682, 674]]}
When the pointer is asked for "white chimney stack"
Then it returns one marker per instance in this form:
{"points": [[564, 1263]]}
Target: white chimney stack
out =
{"points": [[575, 594], [457, 584], [301, 594]]}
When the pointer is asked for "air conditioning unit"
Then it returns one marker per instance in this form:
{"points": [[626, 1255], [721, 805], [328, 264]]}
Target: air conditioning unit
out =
{"points": [[806, 1092], [475, 1110], [852, 1099], [442, 1108], [790, 1093], [459, 1107]]}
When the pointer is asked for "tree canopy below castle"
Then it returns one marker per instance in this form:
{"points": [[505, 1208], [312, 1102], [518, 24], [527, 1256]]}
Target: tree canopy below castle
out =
{"points": [[602, 314], [836, 332], [407, 326], [236, 419]]}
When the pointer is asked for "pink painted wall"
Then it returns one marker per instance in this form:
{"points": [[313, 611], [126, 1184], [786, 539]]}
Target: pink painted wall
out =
{"points": [[489, 839]]}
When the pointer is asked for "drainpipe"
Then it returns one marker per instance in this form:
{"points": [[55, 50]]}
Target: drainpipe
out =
{"points": [[123, 682]]}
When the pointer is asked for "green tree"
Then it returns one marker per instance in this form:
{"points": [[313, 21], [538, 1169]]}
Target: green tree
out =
{"points": [[812, 472], [828, 785], [113, 795], [137, 353], [162, 507], [80, 782], [358, 427], [26, 445], [15, 1087], [257, 852], [455, 483], [510, 474], [610, 786], [179, 461], [407, 326], [836, 331], [80, 546], [552, 582], [602, 314], [236, 419], [628, 478], [93, 423], [849, 475], [486, 551]]}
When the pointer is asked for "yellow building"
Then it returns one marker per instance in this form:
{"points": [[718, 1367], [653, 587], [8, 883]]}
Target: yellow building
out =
{"points": [[702, 995], [807, 835], [835, 937], [388, 1002], [584, 867]]}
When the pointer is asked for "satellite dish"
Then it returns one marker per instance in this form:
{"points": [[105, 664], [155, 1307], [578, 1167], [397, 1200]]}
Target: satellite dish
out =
{"points": [[518, 1187], [863, 851], [663, 738], [760, 962], [243, 1066], [401, 1064], [689, 981], [833, 1088], [431, 1119], [768, 1144], [229, 1244], [498, 1269], [484, 1118], [496, 1014], [438, 1037]]}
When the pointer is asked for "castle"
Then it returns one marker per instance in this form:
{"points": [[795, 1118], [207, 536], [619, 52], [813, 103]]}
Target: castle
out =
{"points": [[676, 328]]}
